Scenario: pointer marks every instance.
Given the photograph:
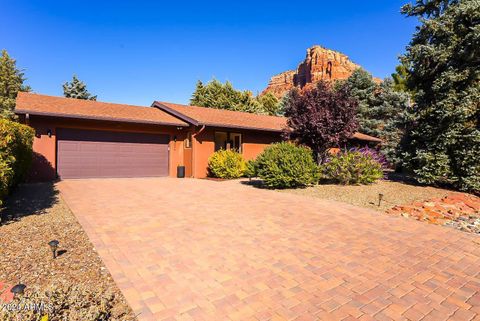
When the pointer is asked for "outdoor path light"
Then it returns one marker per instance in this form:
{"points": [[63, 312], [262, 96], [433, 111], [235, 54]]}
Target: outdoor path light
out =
{"points": [[18, 290], [380, 198], [54, 245]]}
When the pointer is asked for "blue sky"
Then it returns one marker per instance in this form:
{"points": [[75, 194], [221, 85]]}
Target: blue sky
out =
{"points": [[139, 51]]}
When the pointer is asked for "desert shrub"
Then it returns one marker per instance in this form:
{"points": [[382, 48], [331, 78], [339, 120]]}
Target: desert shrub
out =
{"points": [[284, 165], [226, 164], [251, 169], [66, 302], [15, 154], [354, 166]]}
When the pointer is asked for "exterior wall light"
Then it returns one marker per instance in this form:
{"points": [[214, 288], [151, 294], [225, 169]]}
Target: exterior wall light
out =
{"points": [[49, 133], [179, 128], [53, 246]]}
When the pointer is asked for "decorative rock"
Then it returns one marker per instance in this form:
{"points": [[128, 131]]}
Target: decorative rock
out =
{"points": [[458, 210]]}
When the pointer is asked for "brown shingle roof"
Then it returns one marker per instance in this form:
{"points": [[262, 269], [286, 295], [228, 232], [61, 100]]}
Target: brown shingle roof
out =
{"points": [[223, 118], [36, 104], [234, 119]]}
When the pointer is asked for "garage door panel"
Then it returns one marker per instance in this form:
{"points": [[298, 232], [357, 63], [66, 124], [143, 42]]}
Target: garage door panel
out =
{"points": [[83, 154]]}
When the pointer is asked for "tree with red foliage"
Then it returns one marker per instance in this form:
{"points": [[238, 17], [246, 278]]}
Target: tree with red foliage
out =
{"points": [[321, 117]]}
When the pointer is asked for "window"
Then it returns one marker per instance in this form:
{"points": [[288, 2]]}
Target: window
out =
{"points": [[220, 140], [188, 140], [236, 142], [225, 140]]}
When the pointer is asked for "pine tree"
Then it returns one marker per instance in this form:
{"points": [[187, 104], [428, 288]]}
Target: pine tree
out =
{"points": [[198, 96], [77, 89], [11, 82], [381, 110], [400, 78], [224, 96], [443, 141], [390, 108], [362, 87], [270, 104]]}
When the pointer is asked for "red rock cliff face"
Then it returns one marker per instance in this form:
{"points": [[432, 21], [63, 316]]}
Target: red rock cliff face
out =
{"points": [[319, 64]]}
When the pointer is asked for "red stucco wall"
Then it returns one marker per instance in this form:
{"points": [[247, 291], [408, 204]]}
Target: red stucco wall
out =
{"points": [[253, 143], [195, 159], [44, 147]]}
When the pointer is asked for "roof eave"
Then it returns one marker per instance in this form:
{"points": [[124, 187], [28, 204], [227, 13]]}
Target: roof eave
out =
{"points": [[85, 117], [244, 127], [367, 138]]}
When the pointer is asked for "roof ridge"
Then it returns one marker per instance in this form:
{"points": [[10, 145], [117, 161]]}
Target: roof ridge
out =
{"points": [[219, 109]]}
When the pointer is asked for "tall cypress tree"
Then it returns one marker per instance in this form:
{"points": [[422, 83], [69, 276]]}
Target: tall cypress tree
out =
{"points": [[443, 142], [11, 82], [77, 89]]}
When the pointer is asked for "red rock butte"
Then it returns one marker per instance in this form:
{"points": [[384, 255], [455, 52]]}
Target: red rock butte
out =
{"points": [[319, 64]]}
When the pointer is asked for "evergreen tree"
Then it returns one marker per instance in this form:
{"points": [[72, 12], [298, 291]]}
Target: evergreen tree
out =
{"points": [[11, 82], [282, 104], [77, 89], [199, 95], [390, 108], [443, 141], [362, 87], [400, 78], [224, 96], [270, 104], [381, 110]]}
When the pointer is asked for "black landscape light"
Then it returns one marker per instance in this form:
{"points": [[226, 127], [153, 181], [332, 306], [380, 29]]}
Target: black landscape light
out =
{"points": [[18, 289], [380, 198], [54, 245]]}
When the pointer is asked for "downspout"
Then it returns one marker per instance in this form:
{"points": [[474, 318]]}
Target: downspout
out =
{"points": [[194, 140]]}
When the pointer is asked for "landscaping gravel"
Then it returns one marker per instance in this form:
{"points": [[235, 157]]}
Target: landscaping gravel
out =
{"points": [[368, 195], [36, 215], [423, 203]]}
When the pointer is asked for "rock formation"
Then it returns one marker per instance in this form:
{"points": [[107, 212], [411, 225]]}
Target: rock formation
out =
{"points": [[319, 64]]}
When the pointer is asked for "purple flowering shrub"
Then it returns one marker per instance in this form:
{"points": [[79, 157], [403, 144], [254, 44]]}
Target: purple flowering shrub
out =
{"points": [[375, 154], [355, 166]]}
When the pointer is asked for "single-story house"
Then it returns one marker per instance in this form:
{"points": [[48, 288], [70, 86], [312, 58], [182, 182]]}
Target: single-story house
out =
{"points": [[86, 139]]}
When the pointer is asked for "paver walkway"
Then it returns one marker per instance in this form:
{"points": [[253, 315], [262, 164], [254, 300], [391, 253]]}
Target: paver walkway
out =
{"points": [[203, 250]]}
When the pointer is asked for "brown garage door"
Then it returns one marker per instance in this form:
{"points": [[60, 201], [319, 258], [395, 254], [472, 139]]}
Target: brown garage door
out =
{"points": [[88, 154]]}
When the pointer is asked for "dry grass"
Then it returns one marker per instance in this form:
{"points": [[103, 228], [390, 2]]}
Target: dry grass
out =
{"points": [[38, 215], [395, 193]]}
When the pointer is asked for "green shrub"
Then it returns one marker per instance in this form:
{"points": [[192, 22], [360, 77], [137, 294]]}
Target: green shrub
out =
{"points": [[15, 154], [251, 169], [356, 166], [284, 165], [226, 164], [6, 175]]}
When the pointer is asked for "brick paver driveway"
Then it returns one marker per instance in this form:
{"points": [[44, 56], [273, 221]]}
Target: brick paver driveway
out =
{"points": [[203, 250]]}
